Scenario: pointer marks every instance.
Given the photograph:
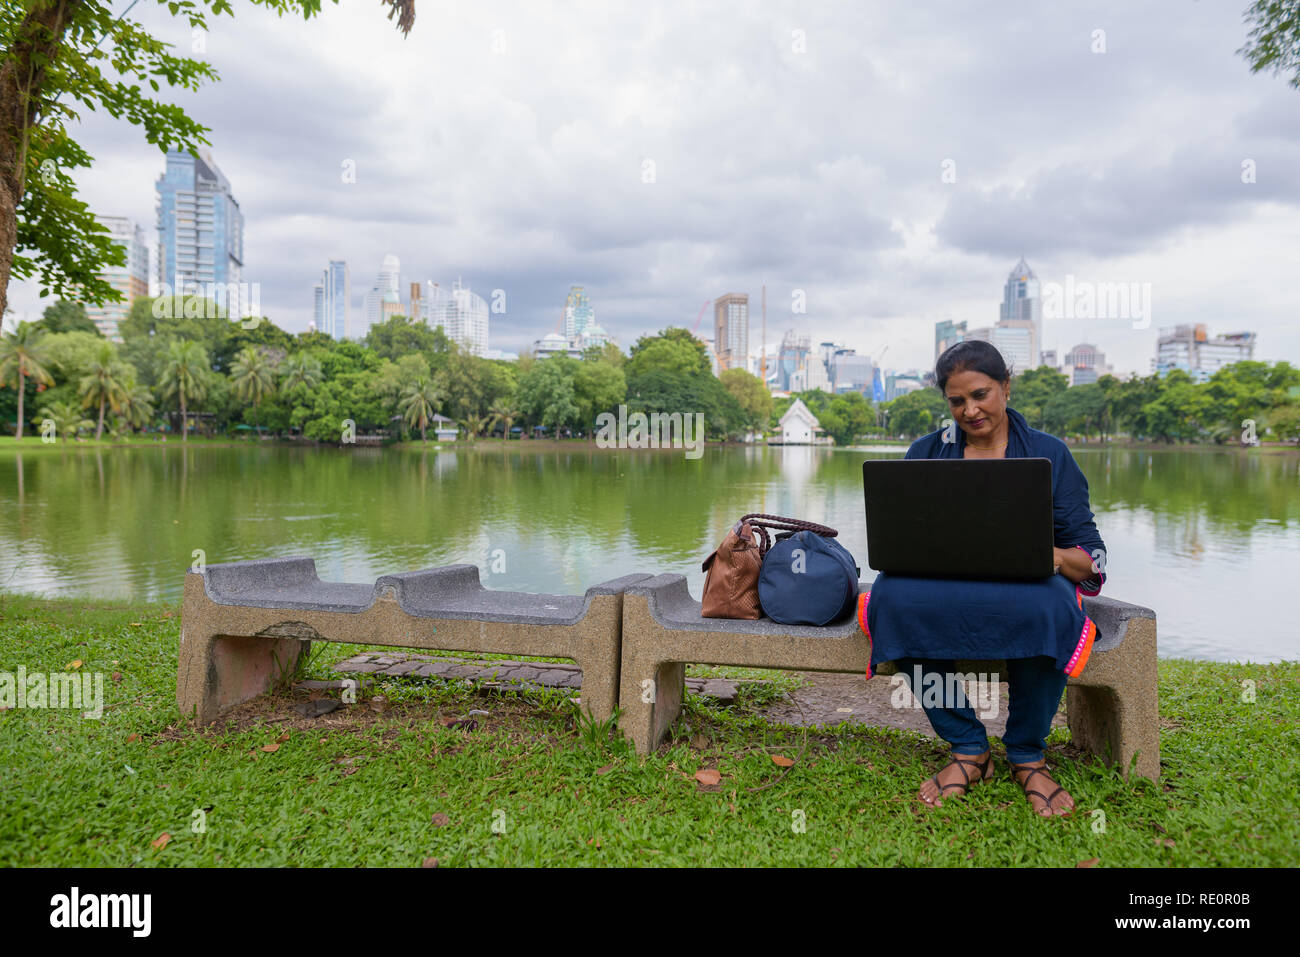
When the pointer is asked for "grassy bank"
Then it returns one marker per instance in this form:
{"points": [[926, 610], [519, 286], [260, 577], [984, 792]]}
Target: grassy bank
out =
{"points": [[33, 444], [394, 786]]}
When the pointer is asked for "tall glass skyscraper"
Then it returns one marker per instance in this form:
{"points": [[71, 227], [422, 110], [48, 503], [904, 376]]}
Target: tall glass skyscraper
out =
{"points": [[200, 231], [578, 314], [1022, 308], [333, 301]]}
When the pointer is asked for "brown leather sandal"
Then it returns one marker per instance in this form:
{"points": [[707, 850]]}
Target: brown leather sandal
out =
{"points": [[983, 773], [1045, 798]]}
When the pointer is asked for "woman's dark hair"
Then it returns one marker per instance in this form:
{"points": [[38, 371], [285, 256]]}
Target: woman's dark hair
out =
{"points": [[972, 354]]}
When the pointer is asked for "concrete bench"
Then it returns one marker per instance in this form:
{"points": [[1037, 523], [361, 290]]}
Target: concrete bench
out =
{"points": [[245, 625], [1111, 707]]}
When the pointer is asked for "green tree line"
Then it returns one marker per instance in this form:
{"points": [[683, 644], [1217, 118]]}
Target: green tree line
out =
{"points": [[1172, 408], [176, 370]]}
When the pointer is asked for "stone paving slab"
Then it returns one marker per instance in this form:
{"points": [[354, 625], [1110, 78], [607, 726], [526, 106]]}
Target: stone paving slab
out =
{"points": [[826, 699], [505, 675]]}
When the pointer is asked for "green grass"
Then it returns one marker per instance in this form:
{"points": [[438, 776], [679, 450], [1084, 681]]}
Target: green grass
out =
{"points": [[31, 442], [560, 791]]}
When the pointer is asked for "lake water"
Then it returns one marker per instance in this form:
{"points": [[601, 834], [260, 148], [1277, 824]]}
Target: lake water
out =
{"points": [[1209, 539]]}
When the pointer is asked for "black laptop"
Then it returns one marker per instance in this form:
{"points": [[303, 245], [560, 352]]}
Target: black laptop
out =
{"points": [[960, 518]]}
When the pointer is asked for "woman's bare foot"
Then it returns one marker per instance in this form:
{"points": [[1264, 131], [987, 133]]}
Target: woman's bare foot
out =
{"points": [[957, 777], [1046, 797]]}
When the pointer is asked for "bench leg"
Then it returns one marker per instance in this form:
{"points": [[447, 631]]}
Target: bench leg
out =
{"points": [[217, 672], [599, 691], [1112, 708], [650, 697]]}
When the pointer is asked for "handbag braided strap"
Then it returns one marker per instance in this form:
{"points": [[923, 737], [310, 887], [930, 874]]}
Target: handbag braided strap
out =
{"points": [[780, 523]]}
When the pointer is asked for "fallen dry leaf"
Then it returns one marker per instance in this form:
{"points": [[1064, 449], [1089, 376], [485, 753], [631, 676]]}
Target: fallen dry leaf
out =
{"points": [[161, 841], [271, 748], [781, 761], [284, 737], [430, 862], [1088, 863], [440, 820], [708, 776], [132, 737], [605, 770], [72, 665], [135, 624], [117, 677]]}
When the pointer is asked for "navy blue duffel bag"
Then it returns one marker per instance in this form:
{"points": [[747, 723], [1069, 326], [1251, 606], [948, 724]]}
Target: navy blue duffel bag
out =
{"points": [[808, 579]]}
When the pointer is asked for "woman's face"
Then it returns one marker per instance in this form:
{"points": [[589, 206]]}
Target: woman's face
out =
{"points": [[978, 403]]}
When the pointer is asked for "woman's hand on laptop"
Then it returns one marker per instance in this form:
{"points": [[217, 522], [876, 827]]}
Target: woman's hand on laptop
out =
{"points": [[1073, 563]]}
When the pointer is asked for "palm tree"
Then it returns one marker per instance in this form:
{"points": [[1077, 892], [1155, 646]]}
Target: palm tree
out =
{"points": [[505, 413], [475, 424], [102, 384], [136, 404], [417, 404], [185, 376], [67, 418], [21, 356], [252, 377], [300, 369]]}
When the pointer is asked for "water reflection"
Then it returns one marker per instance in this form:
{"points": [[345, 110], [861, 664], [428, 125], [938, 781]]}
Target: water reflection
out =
{"points": [[1207, 538]]}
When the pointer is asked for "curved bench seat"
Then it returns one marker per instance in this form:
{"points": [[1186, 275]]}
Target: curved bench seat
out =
{"points": [[1111, 707], [245, 625]]}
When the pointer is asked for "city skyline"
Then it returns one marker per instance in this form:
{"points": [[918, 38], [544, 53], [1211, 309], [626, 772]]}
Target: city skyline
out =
{"points": [[532, 181]]}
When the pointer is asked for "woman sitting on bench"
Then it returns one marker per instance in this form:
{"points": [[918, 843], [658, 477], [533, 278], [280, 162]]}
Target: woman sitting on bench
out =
{"points": [[1039, 628]]}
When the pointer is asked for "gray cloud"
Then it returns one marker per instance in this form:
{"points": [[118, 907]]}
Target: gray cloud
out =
{"points": [[817, 170]]}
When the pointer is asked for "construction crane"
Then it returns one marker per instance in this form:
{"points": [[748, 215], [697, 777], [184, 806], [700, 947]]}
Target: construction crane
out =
{"points": [[709, 347], [696, 330]]}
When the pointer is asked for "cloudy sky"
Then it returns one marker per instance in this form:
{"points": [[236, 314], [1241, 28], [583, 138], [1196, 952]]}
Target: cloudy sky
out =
{"points": [[888, 162]]}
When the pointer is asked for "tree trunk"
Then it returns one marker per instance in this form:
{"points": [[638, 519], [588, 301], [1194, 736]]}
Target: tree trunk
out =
{"points": [[22, 387], [185, 419], [423, 426], [21, 101], [99, 429]]}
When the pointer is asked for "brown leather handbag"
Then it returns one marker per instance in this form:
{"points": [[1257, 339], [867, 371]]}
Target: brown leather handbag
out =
{"points": [[731, 572]]}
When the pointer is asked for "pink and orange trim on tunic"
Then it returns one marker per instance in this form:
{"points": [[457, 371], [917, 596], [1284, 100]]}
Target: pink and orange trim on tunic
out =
{"points": [[1074, 667], [863, 598]]}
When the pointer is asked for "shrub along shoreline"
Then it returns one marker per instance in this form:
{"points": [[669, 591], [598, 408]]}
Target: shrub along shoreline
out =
{"points": [[216, 376]]}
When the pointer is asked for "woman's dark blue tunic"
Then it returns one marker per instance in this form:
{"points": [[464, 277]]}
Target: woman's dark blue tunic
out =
{"points": [[911, 617]]}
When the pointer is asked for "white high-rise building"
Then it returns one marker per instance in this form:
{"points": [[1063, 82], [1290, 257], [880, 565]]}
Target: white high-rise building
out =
{"points": [[1190, 348], [131, 279], [462, 314], [731, 330], [382, 299]]}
